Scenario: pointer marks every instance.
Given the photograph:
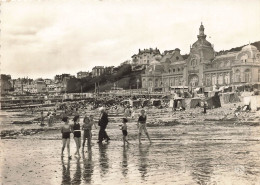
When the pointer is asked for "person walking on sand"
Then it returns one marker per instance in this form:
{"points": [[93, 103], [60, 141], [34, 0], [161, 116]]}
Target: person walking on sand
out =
{"points": [[66, 130], [87, 127], [124, 131], [102, 123], [77, 134], [141, 124]]}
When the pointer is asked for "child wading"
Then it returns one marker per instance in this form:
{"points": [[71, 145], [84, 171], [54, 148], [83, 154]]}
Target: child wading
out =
{"points": [[77, 133], [141, 124], [66, 130], [124, 131], [87, 127]]}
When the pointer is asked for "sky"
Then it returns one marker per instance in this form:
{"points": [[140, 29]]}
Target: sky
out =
{"points": [[48, 37]]}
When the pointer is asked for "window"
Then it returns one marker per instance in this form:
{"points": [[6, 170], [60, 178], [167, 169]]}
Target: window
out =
{"points": [[247, 75], [220, 79], [227, 78], [214, 80], [173, 70], [237, 75], [177, 58]]}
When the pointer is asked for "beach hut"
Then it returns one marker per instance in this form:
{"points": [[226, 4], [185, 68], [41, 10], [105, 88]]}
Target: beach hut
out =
{"points": [[178, 103], [137, 103], [252, 101], [156, 102], [213, 102], [145, 103], [195, 102]]}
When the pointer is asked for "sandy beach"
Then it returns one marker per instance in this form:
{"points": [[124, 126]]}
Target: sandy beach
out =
{"points": [[203, 152]]}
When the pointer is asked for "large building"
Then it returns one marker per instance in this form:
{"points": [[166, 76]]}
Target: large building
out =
{"points": [[145, 57], [203, 68], [82, 74]]}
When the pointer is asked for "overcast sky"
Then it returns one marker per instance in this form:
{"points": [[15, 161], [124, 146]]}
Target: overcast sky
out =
{"points": [[45, 38]]}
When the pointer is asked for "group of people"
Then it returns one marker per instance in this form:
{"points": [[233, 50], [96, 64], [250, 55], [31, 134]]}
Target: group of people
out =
{"points": [[88, 123]]}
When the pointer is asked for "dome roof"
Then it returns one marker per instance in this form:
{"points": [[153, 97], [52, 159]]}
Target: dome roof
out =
{"points": [[203, 43], [249, 47]]}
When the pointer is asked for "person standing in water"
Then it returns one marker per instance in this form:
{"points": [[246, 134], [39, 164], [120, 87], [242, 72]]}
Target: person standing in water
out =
{"points": [[66, 130], [124, 131], [87, 127], [77, 134], [103, 121], [141, 124]]}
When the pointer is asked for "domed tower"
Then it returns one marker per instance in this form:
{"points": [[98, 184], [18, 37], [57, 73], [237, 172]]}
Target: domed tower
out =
{"points": [[201, 52]]}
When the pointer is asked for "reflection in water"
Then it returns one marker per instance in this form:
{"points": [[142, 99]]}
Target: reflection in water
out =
{"points": [[103, 159], [77, 175], [201, 164], [143, 153], [88, 166], [124, 162], [65, 172]]}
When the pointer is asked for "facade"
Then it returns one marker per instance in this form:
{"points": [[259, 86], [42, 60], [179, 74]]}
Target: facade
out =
{"points": [[82, 74], [98, 71], [5, 84], [203, 68], [145, 57]]}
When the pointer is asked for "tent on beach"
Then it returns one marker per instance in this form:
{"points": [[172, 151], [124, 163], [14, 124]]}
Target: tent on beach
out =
{"points": [[230, 97], [195, 102], [252, 101], [213, 102]]}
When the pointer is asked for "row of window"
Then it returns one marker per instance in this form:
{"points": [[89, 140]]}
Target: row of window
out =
{"points": [[175, 70]]}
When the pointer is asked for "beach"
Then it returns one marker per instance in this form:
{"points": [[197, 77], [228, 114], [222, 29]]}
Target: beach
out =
{"points": [[184, 152]]}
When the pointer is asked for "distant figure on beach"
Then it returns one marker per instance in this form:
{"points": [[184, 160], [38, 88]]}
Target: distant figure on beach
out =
{"points": [[77, 134], [66, 130], [141, 124], [42, 118], [205, 107], [87, 127], [102, 123], [124, 131]]}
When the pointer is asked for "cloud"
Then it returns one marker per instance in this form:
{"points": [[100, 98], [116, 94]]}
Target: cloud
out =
{"points": [[50, 37]]}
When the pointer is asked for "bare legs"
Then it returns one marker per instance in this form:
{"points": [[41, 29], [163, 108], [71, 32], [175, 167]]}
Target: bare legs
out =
{"points": [[125, 140], [141, 129], [64, 142], [78, 143]]}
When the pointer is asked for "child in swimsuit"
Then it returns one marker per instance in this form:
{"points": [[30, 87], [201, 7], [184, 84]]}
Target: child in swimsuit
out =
{"points": [[124, 131], [87, 127], [66, 130], [141, 124], [77, 133]]}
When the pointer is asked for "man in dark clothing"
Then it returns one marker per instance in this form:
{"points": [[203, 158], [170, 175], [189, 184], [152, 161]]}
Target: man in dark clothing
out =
{"points": [[102, 123]]}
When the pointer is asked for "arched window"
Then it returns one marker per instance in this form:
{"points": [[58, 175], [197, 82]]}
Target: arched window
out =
{"points": [[247, 75], [237, 75], [220, 79], [214, 80], [169, 70], [173, 70], [178, 69]]}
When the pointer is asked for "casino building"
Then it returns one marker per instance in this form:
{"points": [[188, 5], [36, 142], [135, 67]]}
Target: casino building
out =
{"points": [[203, 68]]}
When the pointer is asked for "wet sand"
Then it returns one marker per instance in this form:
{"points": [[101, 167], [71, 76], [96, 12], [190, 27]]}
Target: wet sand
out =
{"points": [[182, 154]]}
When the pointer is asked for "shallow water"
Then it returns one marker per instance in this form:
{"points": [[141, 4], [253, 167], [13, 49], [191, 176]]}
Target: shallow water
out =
{"points": [[191, 154]]}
